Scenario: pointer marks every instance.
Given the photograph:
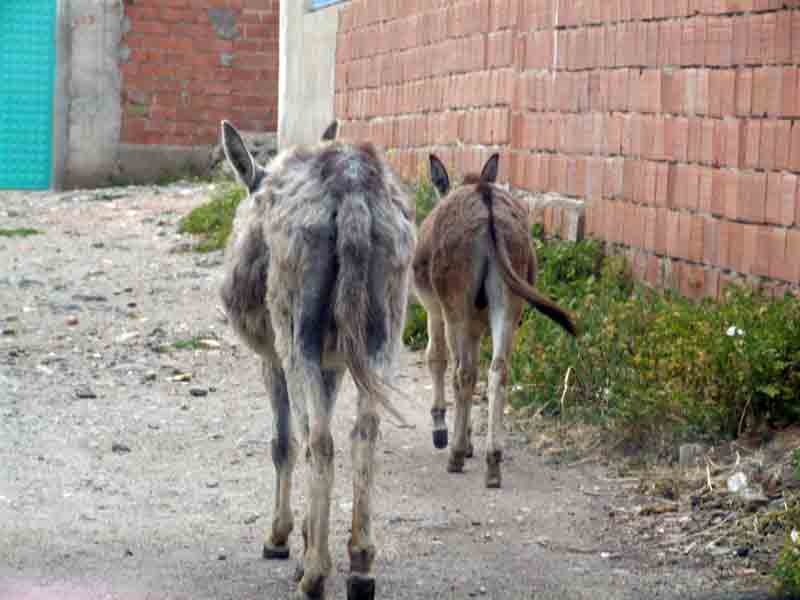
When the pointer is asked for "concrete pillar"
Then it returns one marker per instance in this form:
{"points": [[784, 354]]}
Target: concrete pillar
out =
{"points": [[95, 112], [307, 71]]}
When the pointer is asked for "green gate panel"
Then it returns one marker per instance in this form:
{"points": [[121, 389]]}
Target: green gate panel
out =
{"points": [[27, 73]]}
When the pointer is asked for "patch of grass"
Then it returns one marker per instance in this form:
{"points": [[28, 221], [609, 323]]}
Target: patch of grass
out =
{"points": [[415, 335], [187, 344], [213, 221], [19, 232]]}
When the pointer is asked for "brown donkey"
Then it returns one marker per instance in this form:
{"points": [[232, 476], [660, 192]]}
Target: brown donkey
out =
{"points": [[317, 273], [475, 269]]}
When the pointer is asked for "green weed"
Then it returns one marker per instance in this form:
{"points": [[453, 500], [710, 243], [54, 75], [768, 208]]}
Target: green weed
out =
{"points": [[19, 232], [213, 221]]}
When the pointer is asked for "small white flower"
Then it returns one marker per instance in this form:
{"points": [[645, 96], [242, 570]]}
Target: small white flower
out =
{"points": [[733, 331], [795, 536]]}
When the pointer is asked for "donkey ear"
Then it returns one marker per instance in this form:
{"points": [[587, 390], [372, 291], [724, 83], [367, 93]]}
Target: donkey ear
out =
{"points": [[439, 176], [238, 155], [489, 173], [330, 132]]}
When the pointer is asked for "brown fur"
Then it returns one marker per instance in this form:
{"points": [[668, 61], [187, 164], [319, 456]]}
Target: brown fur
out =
{"points": [[474, 269]]}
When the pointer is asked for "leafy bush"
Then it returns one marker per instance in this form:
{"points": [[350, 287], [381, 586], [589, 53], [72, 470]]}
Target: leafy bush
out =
{"points": [[425, 197], [787, 568], [213, 221], [653, 363], [415, 334]]}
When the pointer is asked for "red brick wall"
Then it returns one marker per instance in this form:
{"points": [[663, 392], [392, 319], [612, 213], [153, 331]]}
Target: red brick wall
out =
{"points": [[187, 64], [677, 121]]}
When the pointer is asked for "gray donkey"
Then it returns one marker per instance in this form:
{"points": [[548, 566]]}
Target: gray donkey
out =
{"points": [[474, 270], [317, 273]]}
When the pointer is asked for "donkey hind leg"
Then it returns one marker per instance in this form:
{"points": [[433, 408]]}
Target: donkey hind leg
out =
{"points": [[505, 310], [361, 548], [436, 357], [284, 457], [319, 388], [464, 345], [332, 380], [306, 381]]}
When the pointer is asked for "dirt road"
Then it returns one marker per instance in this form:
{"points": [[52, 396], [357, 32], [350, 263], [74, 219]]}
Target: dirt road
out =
{"points": [[134, 443]]}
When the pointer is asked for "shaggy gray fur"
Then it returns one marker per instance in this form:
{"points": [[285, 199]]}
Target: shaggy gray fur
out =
{"points": [[317, 273]]}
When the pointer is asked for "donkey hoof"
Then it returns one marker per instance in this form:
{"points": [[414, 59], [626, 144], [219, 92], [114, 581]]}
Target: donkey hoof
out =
{"points": [[360, 587], [456, 462], [311, 590], [299, 571], [493, 480], [493, 475], [440, 438], [470, 451], [271, 552]]}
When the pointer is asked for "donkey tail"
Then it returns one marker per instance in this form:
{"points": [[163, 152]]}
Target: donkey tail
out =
{"points": [[517, 285], [352, 303]]}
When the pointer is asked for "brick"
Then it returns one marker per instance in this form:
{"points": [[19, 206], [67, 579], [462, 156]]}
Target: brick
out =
{"points": [[648, 225], [779, 262], [783, 142], [729, 244], [673, 234], [728, 196], [696, 237], [761, 259], [744, 92], [719, 43], [630, 179], [741, 36], [756, 40], [648, 192], [766, 152], [794, 156], [792, 252], [752, 200], [795, 36], [752, 137], [724, 193], [711, 229], [705, 189], [789, 98], [694, 36], [695, 136], [669, 51], [613, 178], [750, 247], [734, 136], [673, 91], [499, 49], [707, 144], [761, 91], [661, 230], [692, 199], [676, 138]]}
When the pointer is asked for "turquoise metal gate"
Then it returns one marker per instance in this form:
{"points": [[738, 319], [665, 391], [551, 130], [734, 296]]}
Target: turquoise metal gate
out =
{"points": [[27, 74]]}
